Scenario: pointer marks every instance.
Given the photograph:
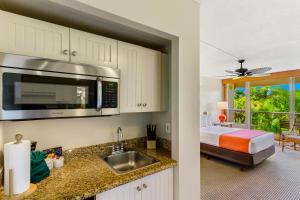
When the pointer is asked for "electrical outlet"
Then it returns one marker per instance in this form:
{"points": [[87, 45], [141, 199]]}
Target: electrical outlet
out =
{"points": [[168, 128]]}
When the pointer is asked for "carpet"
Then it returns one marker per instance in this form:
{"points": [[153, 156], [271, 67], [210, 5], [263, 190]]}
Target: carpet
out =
{"points": [[277, 178]]}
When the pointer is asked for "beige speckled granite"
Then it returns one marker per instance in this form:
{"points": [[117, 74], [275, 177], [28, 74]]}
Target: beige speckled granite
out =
{"points": [[164, 143], [87, 175], [103, 149]]}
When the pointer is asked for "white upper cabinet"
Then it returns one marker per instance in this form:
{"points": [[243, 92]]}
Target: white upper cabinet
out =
{"points": [[129, 61], [141, 78], [151, 80], [92, 49], [26, 36]]}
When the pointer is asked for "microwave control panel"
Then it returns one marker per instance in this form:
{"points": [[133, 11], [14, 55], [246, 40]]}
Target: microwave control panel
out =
{"points": [[109, 94]]}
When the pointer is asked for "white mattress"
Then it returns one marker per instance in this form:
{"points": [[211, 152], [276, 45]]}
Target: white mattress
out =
{"points": [[210, 135]]}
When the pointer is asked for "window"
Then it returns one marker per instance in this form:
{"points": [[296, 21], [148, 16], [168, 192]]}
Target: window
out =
{"points": [[239, 104], [270, 103], [297, 95]]}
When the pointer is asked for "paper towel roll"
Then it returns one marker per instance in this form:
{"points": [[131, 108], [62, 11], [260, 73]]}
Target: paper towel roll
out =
{"points": [[17, 159]]}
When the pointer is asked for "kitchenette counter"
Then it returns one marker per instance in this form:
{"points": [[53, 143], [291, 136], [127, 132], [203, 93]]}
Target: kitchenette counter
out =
{"points": [[85, 176]]}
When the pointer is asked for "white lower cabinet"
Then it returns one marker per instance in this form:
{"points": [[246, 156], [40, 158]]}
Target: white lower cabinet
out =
{"points": [[128, 191], [158, 186]]}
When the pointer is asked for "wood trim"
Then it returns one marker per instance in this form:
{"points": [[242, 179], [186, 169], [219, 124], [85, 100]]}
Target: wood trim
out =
{"points": [[274, 75], [225, 92]]}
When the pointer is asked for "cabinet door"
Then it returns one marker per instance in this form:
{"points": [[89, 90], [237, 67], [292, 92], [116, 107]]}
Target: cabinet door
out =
{"points": [[158, 186], [151, 81], [26, 36], [92, 49], [125, 192], [129, 63]]}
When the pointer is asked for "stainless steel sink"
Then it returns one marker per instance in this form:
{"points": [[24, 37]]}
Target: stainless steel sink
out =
{"points": [[128, 161]]}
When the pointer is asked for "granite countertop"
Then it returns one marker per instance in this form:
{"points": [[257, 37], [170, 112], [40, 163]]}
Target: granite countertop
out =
{"points": [[85, 176]]}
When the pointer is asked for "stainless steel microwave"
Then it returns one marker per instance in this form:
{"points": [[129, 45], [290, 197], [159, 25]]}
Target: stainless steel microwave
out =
{"points": [[35, 88]]}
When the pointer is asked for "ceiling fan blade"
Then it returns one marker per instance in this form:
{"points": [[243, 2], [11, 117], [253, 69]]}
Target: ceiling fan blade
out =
{"points": [[232, 72], [229, 75], [259, 70], [261, 75]]}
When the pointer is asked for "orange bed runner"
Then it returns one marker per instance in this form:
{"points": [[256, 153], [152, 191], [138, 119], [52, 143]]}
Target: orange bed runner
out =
{"points": [[238, 140]]}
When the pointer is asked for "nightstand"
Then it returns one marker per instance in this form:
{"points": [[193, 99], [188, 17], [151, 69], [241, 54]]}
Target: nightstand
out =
{"points": [[224, 124]]}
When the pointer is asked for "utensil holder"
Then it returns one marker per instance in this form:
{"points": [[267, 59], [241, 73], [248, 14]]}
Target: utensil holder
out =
{"points": [[151, 144]]}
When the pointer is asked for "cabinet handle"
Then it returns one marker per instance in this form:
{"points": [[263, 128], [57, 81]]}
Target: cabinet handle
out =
{"points": [[139, 104], [145, 186], [74, 53], [65, 52], [144, 105], [138, 188]]}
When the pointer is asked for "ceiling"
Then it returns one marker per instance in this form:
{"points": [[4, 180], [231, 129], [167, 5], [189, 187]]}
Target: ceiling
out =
{"points": [[264, 32]]}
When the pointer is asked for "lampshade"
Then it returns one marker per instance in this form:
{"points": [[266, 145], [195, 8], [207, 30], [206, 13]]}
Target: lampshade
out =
{"points": [[222, 105]]}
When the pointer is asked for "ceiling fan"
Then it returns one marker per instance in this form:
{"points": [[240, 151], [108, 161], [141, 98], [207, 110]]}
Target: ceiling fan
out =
{"points": [[244, 72]]}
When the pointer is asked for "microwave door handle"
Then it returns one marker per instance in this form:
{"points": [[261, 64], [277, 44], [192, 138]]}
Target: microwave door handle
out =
{"points": [[99, 94]]}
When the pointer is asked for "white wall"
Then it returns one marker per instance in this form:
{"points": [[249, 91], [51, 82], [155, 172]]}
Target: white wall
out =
{"points": [[160, 119], [77, 132], [180, 18], [211, 91]]}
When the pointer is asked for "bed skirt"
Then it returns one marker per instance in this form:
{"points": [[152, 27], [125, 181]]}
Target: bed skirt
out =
{"points": [[244, 159]]}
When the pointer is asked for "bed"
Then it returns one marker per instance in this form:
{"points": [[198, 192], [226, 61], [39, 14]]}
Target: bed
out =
{"points": [[245, 147]]}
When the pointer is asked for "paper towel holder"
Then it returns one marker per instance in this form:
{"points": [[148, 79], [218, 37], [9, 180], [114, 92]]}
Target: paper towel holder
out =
{"points": [[32, 187], [18, 138]]}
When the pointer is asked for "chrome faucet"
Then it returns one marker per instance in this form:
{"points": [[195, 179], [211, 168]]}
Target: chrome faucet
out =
{"points": [[119, 147], [120, 134]]}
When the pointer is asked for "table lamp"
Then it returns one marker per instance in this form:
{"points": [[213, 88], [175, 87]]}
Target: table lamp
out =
{"points": [[222, 105]]}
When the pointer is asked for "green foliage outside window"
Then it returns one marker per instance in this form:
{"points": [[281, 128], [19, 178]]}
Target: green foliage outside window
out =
{"points": [[239, 99], [297, 100], [264, 101], [239, 105]]}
